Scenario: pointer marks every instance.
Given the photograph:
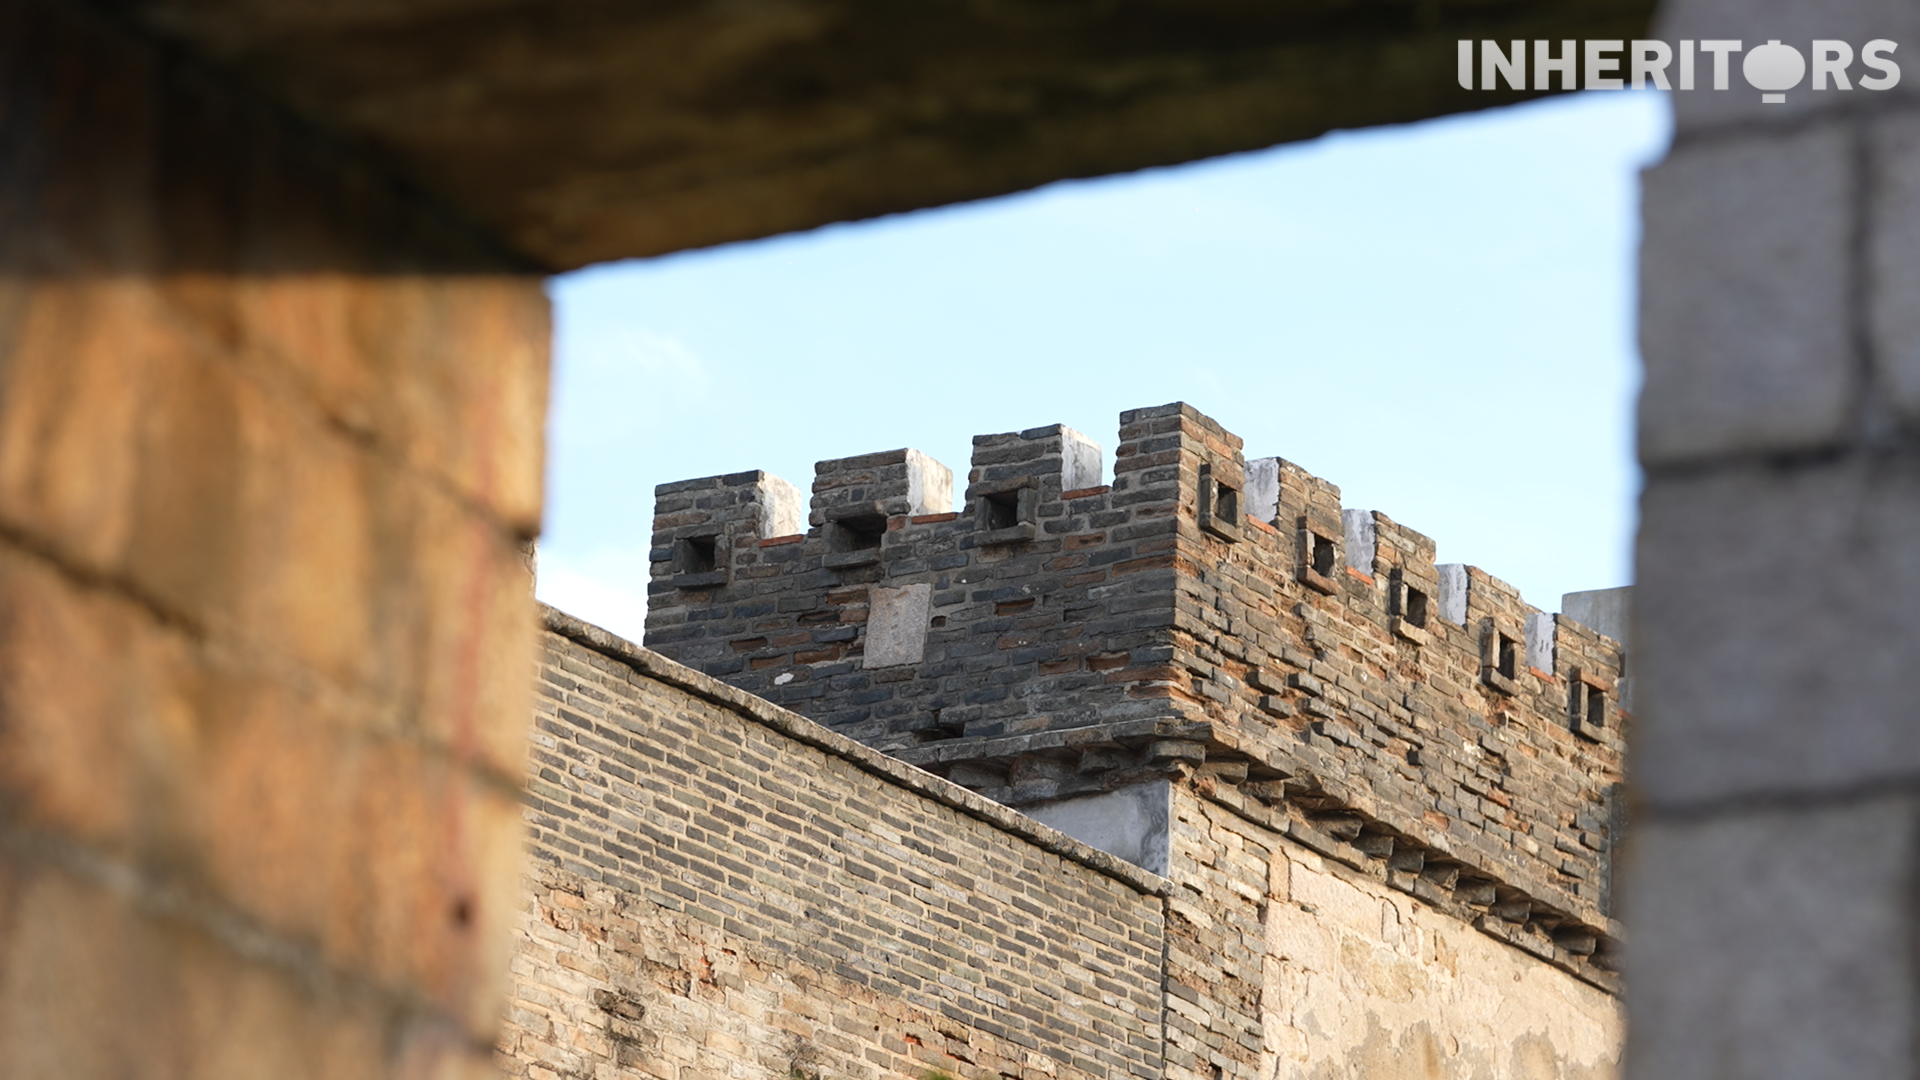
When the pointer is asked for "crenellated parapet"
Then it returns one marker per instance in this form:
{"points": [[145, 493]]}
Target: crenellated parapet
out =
{"points": [[1222, 622]]}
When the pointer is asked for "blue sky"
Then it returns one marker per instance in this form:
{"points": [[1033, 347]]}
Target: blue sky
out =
{"points": [[1436, 317]]}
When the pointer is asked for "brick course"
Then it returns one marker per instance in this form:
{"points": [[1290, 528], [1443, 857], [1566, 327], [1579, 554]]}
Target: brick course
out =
{"points": [[721, 887], [1204, 616], [717, 884]]}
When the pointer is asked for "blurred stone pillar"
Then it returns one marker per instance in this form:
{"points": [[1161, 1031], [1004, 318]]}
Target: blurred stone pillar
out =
{"points": [[270, 436], [1771, 873]]}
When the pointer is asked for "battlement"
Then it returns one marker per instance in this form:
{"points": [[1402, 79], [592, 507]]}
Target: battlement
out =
{"points": [[1206, 619]]}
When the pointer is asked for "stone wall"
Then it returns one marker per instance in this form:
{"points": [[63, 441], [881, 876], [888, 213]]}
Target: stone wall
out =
{"points": [[1778, 773], [721, 888], [1287, 963], [270, 434], [1204, 615]]}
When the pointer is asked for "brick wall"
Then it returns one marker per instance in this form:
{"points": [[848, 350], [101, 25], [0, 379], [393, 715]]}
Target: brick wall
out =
{"points": [[269, 443], [1051, 633], [1050, 641], [720, 888]]}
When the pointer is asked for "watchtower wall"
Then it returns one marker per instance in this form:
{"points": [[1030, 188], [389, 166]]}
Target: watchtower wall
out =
{"points": [[1221, 622]]}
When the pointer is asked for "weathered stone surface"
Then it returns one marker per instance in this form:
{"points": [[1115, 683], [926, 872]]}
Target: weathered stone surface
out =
{"points": [[897, 625], [270, 433], [1772, 943], [1777, 608], [1608, 611], [1893, 275], [1745, 316], [598, 131], [1309, 968], [184, 1003]]}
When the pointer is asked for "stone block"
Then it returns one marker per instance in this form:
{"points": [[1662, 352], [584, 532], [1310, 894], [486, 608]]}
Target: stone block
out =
{"points": [[897, 625], [783, 507], [1131, 823], [929, 485], [1745, 318], [1361, 539], [1262, 495], [1454, 586], [454, 623], [1893, 276], [1771, 943], [125, 735], [1776, 608], [1608, 611], [1540, 642], [72, 396], [1080, 465], [183, 1005]]}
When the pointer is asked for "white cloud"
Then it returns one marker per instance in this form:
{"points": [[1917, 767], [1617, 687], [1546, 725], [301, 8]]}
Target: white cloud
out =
{"points": [[607, 587], [664, 363]]}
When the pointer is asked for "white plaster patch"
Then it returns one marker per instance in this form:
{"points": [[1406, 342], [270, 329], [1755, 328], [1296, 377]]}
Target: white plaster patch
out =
{"points": [[1453, 593], [1080, 462], [783, 510], [1262, 493], [897, 625]]}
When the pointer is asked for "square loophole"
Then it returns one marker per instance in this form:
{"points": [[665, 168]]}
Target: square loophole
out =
{"points": [[861, 532], [699, 562], [853, 540], [695, 554], [1318, 556], [1587, 704], [1007, 513], [1219, 504], [1323, 555], [1500, 651], [1000, 510], [1409, 607]]}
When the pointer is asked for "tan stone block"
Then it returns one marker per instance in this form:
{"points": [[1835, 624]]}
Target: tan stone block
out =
{"points": [[450, 371], [200, 430], [416, 871], [71, 394], [93, 986], [388, 855], [72, 710], [473, 630], [309, 578], [302, 323], [470, 357]]}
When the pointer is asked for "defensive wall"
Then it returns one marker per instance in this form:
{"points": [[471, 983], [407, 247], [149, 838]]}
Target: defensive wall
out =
{"points": [[719, 887], [1203, 616], [1215, 671]]}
